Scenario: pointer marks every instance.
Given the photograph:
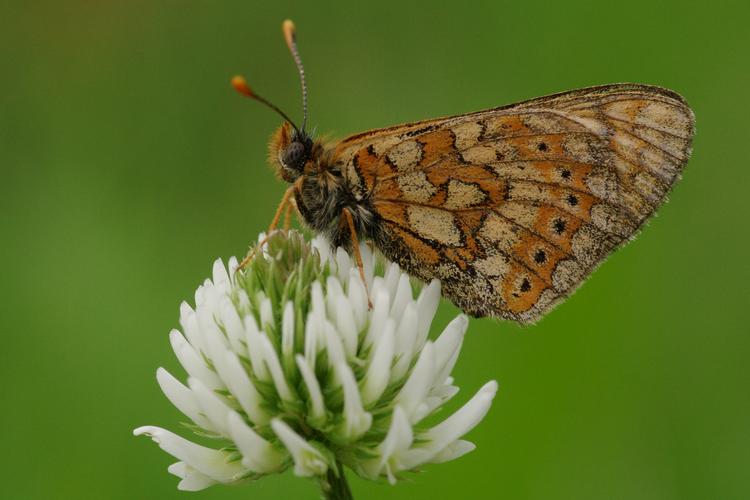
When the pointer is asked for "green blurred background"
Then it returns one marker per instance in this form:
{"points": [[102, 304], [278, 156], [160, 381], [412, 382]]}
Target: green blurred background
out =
{"points": [[129, 165]]}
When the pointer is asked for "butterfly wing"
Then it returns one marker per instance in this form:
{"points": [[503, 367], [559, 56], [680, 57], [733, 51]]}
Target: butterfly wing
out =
{"points": [[512, 208]]}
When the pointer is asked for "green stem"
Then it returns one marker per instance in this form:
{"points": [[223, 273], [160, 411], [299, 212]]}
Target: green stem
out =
{"points": [[335, 486]]}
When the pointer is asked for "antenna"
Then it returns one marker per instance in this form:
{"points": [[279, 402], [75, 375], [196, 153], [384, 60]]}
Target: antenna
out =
{"points": [[290, 35], [241, 86]]}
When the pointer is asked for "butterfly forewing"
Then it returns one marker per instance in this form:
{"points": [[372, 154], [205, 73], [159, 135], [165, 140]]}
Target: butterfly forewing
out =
{"points": [[512, 208]]}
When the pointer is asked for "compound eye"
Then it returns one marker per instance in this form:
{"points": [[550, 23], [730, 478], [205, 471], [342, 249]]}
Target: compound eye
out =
{"points": [[293, 155]]}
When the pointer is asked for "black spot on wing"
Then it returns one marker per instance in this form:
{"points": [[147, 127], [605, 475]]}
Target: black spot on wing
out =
{"points": [[540, 257], [559, 226]]}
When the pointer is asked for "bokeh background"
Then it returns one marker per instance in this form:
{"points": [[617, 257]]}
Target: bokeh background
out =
{"points": [[128, 165]]}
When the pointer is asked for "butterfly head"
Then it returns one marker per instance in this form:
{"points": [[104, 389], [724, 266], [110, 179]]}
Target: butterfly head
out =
{"points": [[289, 150]]}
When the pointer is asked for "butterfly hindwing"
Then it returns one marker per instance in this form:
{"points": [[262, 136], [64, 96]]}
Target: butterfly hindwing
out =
{"points": [[512, 208]]}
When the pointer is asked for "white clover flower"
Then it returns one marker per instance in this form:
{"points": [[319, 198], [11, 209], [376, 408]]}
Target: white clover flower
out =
{"points": [[288, 366]]}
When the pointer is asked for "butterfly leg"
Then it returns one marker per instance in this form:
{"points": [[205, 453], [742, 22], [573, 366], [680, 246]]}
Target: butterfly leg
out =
{"points": [[288, 214], [355, 244], [284, 207]]}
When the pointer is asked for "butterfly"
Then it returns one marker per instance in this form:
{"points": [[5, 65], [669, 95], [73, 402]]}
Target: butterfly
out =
{"points": [[511, 208]]}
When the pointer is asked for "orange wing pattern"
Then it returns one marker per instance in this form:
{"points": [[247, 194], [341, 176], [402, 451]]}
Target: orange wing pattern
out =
{"points": [[512, 208]]}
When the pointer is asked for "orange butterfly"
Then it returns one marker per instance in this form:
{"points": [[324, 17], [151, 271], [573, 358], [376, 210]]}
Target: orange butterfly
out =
{"points": [[510, 208]]}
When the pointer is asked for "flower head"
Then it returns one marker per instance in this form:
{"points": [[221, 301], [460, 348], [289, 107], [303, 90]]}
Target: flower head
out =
{"points": [[288, 367]]}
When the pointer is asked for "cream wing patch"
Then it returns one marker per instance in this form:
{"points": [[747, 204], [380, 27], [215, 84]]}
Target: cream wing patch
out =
{"points": [[463, 195], [467, 134], [434, 224], [415, 187], [499, 232], [493, 266], [405, 155]]}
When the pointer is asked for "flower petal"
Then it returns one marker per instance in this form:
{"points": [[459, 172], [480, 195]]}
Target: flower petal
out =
{"points": [[266, 313], [322, 246], [419, 382], [274, 367], [378, 317], [183, 399], [213, 406], [357, 296], [402, 297], [405, 337], [287, 337], [438, 396], [346, 326], [368, 262], [313, 338], [258, 455], [343, 264], [232, 325], [308, 460], [255, 349], [317, 416], [356, 420], [189, 323], [334, 347], [242, 388], [220, 276], [333, 291], [192, 480], [447, 347], [398, 440], [392, 278], [212, 463], [232, 266], [453, 451], [379, 371], [463, 420], [427, 304], [399, 437], [192, 362]]}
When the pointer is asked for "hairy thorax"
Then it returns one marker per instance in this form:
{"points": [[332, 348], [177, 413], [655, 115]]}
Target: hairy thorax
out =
{"points": [[323, 197]]}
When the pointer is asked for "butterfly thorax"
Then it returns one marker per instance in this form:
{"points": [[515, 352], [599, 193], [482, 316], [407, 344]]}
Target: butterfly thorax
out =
{"points": [[321, 191]]}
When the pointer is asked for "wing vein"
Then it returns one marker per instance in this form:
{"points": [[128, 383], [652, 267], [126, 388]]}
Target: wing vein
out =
{"points": [[663, 130]]}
